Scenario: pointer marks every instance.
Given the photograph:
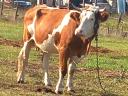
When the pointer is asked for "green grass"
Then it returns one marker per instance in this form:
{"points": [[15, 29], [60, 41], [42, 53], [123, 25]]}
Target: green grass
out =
{"points": [[10, 53], [114, 59], [106, 62], [11, 30], [113, 43]]}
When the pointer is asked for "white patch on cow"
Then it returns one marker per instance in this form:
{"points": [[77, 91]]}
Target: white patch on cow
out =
{"points": [[59, 86], [87, 23], [69, 84], [24, 48], [45, 69], [48, 45], [31, 27], [64, 22], [86, 27]]}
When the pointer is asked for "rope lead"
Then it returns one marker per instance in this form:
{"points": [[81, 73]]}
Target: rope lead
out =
{"points": [[97, 64]]}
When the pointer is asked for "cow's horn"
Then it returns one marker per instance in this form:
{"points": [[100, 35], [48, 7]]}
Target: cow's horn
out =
{"points": [[101, 10]]}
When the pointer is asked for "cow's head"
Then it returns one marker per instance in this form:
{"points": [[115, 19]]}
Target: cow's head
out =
{"points": [[90, 20]]}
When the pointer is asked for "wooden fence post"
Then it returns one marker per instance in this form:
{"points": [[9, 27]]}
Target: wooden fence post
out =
{"points": [[16, 13], [108, 30], [2, 7]]}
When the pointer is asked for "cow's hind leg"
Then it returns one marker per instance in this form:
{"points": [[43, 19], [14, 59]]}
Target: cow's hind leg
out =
{"points": [[23, 61], [45, 59]]}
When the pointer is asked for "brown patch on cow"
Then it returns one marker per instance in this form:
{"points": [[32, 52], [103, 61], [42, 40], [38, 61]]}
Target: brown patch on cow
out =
{"points": [[63, 58], [57, 38], [75, 16], [78, 47], [28, 19], [46, 24]]}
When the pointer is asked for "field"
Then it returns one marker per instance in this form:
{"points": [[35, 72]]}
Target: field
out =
{"points": [[113, 62]]}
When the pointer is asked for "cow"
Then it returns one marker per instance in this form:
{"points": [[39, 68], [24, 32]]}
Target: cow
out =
{"points": [[61, 31]]}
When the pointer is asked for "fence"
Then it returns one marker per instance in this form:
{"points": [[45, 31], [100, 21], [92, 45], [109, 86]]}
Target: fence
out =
{"points": [[111, 27], [11, 11]]}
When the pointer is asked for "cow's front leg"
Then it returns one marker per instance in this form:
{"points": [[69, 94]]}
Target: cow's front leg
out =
{"points": [[71, 69], [23, 61], [45, 59], [63, 57]]}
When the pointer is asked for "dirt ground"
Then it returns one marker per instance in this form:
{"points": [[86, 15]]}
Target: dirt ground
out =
{"points": [[13, 43], [10, 42]]}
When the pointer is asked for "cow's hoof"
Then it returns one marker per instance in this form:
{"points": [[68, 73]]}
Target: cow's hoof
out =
{"points": [[58, 92], [71, 91], [49, 85], [20, 81]]}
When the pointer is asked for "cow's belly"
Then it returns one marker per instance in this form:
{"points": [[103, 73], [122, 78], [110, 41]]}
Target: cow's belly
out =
{"points": [[48, 45]]}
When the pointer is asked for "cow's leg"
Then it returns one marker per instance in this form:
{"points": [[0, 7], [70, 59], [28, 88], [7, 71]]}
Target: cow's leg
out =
{"points": [[71, 69], [45, 60], [23, 61], [62, 70]]}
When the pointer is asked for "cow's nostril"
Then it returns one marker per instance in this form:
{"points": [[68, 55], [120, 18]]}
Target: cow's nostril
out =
{"points": [[79, 32]]}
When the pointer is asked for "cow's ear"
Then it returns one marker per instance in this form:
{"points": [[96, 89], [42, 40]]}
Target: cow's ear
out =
{"points": [[103, 16], [75, 16]]}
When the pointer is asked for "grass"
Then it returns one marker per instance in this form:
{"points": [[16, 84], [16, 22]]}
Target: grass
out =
{"points": [[10, 53], [11, 30]]}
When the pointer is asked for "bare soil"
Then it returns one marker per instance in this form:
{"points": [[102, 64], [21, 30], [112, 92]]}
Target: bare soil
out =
{"points": [[13, 43], [10, 42]]}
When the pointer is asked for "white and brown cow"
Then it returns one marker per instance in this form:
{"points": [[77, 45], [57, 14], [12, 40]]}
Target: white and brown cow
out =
{"points": [[62, 31]]}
